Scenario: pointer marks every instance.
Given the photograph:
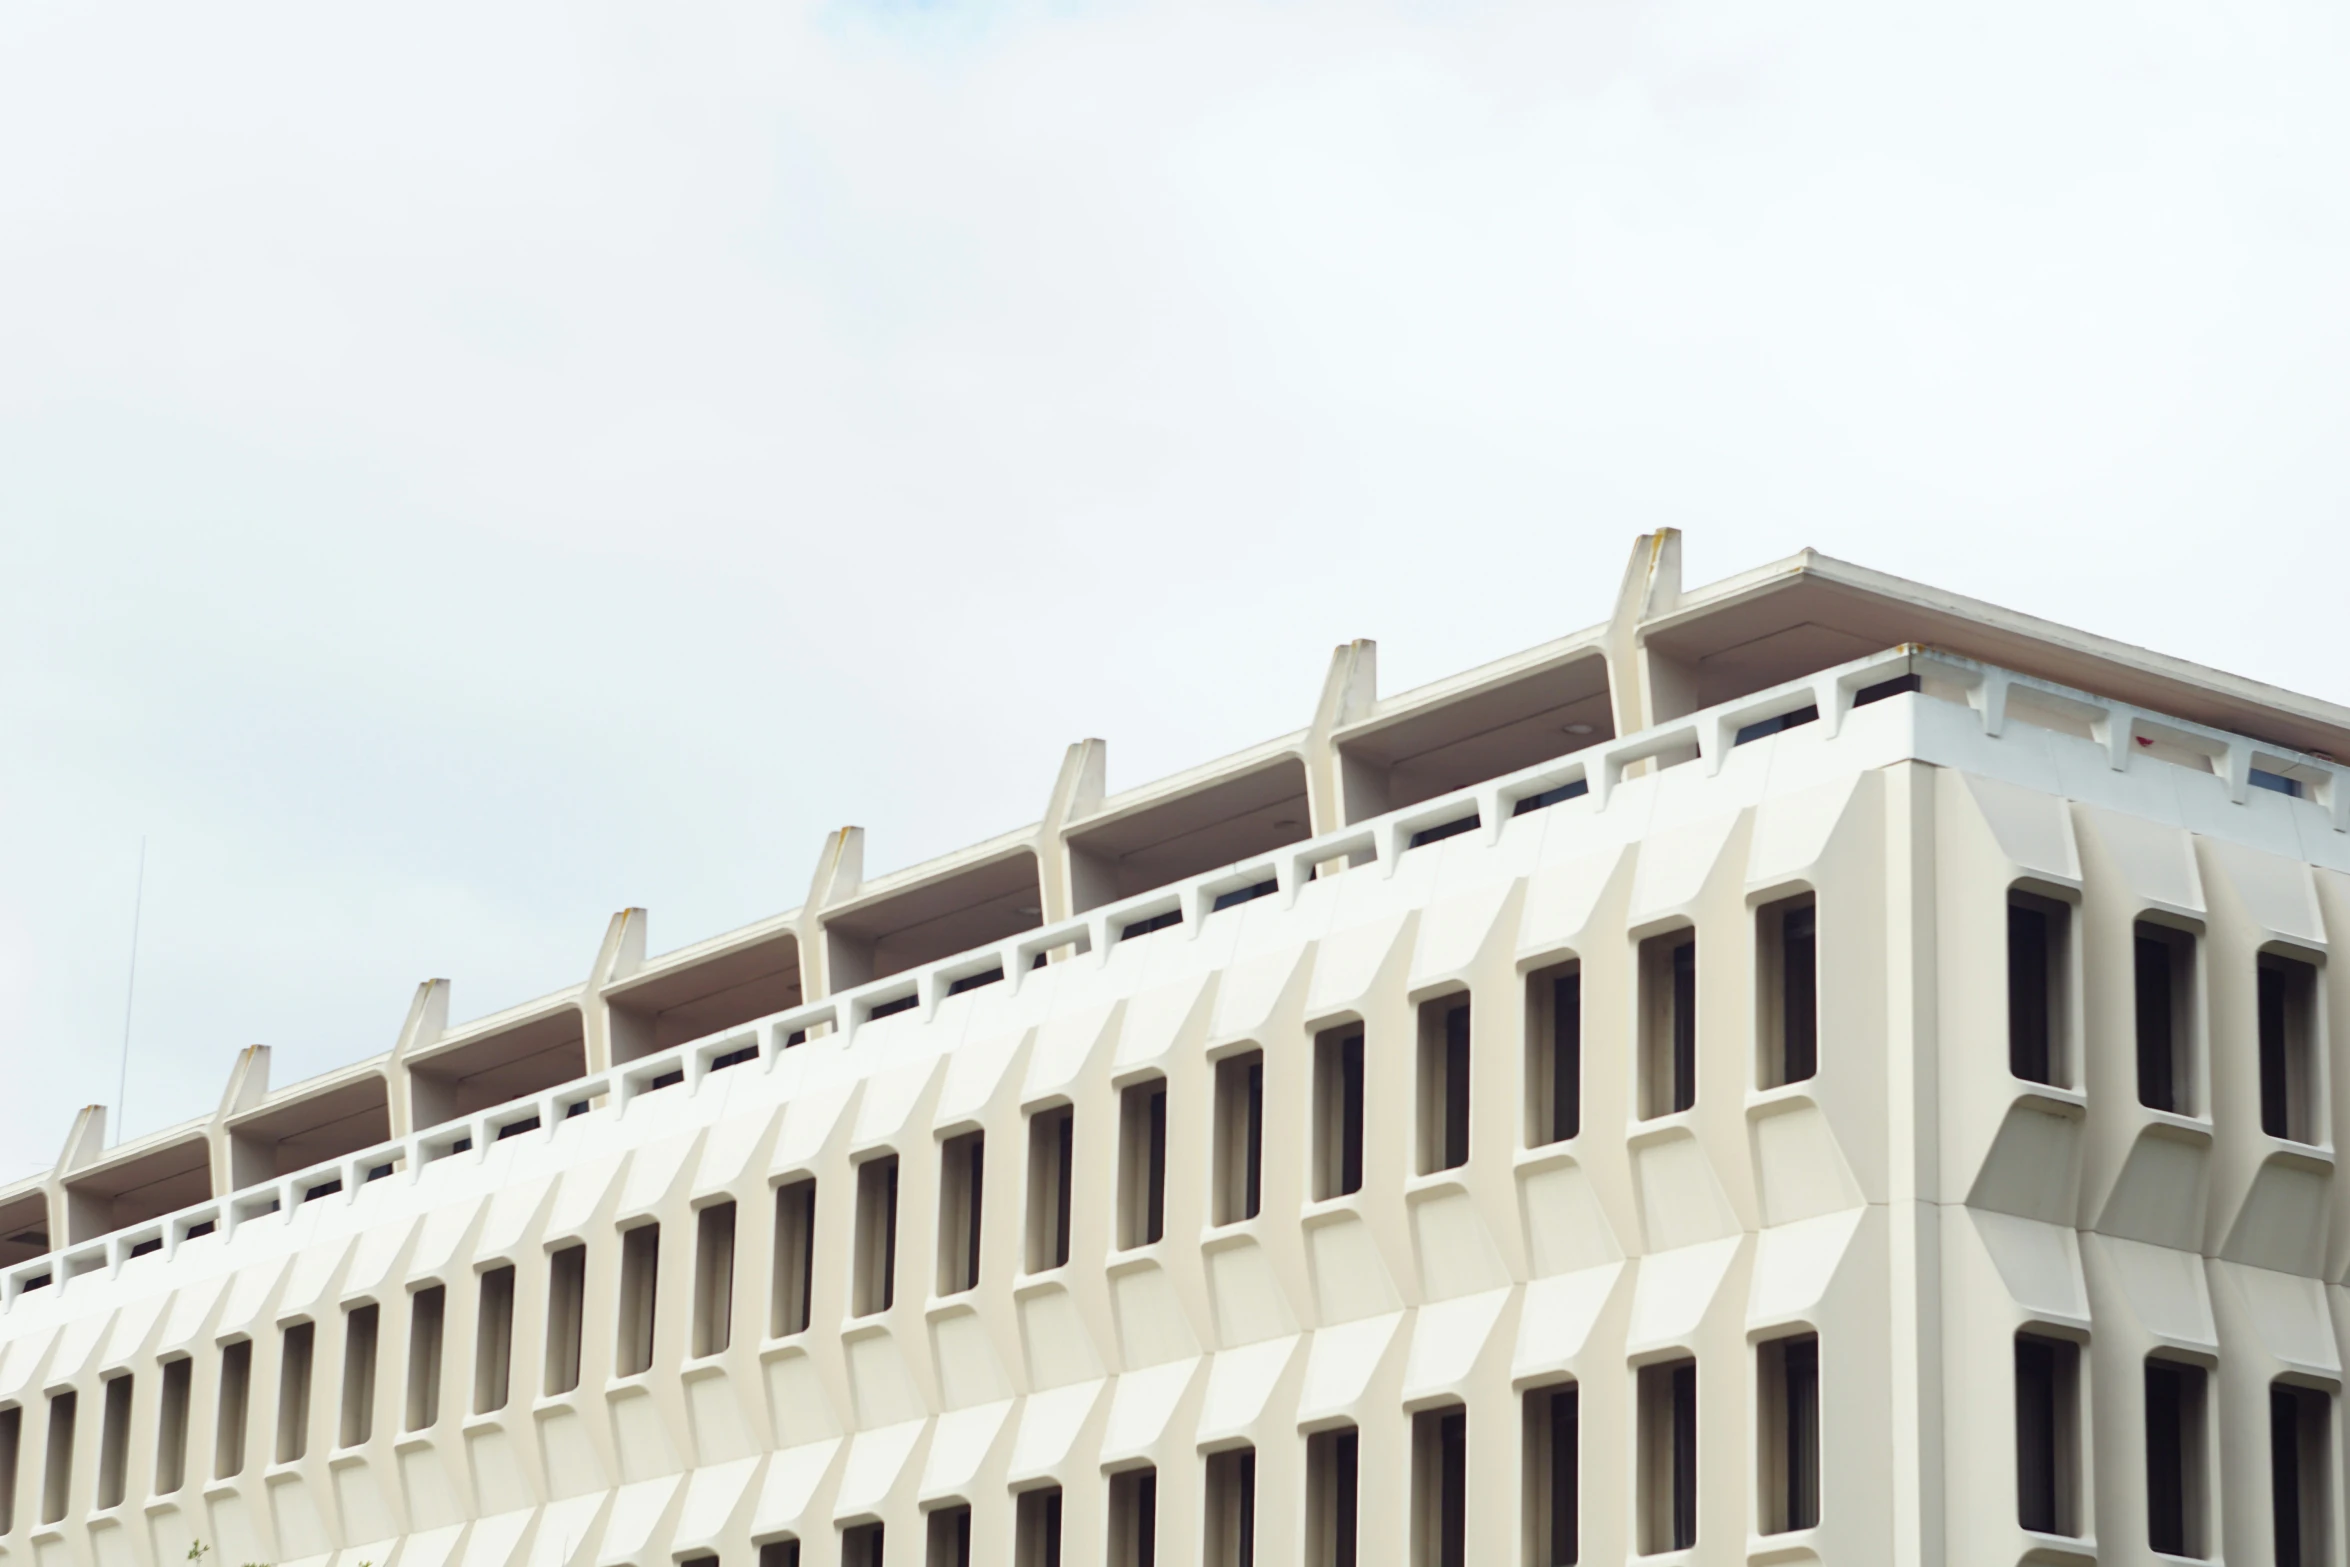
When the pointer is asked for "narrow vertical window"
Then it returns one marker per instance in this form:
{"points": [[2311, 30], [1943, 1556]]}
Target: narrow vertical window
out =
{"points": [[236, 1395], [1668, 1456], [1789, 1448], [1787, 991], [493, 1344], [640, 1295], [1240, 1127], [2164, 964], [714, 1279], [1554, 1054], [1333, 1503], [1052, 1175], [114, 1441], [2175, 1493], [780, 1553], [1231, 1521], [2297, 1443], [2288, 1048], [1444, 1084], [11, 1445], [1134, 1518], [1553, 1441], [1142, 1163], [861, 1546], [359, 1336], [57, 1472], [1440, 1488], [949, 1538], [2036, 1010], [171, 1428], [566, 1315], [1668, 1023], [297, 1350], [427, 1323], [2047, 1434], [961, 1200], [875, 1284], [1338, 1112], [793, 1296], [1036, 1528]]}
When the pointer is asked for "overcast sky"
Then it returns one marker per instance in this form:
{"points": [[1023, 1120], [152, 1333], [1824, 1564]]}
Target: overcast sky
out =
{"points": [[465, 469]]}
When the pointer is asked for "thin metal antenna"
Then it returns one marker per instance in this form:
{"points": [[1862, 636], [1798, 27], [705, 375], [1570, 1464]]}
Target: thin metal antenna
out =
{"points": [[130, 991]]}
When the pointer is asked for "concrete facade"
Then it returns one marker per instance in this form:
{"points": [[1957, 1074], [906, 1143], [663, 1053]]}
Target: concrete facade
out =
{"points": [[1813, 1070]]}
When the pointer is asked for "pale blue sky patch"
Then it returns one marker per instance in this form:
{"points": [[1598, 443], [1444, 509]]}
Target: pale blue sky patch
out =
{"points": [[463, 470]]}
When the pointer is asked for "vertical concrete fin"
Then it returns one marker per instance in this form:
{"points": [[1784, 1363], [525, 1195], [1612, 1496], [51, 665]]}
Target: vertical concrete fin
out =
{"points": [[85, 1142], [248, 1085], [1349, 691], [1642, 688], [840, 870], [427, 1021], [1078, 791], [621, 954]]}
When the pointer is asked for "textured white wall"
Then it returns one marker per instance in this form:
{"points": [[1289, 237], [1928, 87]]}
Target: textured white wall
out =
{"points": [[1914, 1205]]}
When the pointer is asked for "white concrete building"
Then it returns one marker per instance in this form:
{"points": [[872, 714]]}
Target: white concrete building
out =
{"points": [[1812, 1070]]}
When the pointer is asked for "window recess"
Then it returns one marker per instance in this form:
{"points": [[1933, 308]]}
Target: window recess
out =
{"points": [[1154, 922], [1666, 1456], [2176, 1486], [1554, 1054], [714, 1278], [874, 1280], [2047, 1434], [1551, 1446], [1440, 1488], [1239, 1137], [114, 1441], [360, 1332], [1668, 1023], [1787, 991], [171, 1432], [2163, 970], [427, 1325], [2038, 989], [948, 1538], [1444, 830], [566, 1309], [1338, 1111], [1333, 1464], [962, 1170], [1142, 1163], [1572, 789], [1036, 1526], [1052, 1175], [791, 1297], [1134, 1518], [1240, 895], [1230, 1525], [57, 1471], [1763, 728], [1788, 1376], [2299, 1419], [861, 1546], [640, 1299], [1444, 1084], [297, 1352], [493, 1354], [236, 1396], [2289, 1083]]}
